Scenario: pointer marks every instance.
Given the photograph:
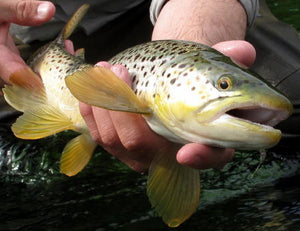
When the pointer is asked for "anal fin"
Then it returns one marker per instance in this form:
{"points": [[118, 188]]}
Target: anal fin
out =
{"points": [[173, 189]]}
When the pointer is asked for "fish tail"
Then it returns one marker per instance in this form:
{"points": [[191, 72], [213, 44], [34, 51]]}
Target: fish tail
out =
{"points": [[72, 23], [77, 154], [173, 189], [40, 119]]}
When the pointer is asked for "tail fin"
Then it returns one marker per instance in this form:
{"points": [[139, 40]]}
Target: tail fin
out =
{"points": [[27, 94], [72, 23]]}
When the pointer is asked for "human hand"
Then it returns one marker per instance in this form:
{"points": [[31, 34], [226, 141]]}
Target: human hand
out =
{"points": [[22, 12], [128, 137]]}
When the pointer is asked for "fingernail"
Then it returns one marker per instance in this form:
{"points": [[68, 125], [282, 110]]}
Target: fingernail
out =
{"points": [[43, 10]]}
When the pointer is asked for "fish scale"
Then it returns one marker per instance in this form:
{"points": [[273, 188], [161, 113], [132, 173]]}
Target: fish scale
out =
{"points": [[160, 64]]}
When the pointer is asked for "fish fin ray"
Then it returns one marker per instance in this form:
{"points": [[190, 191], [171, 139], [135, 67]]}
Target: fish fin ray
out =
{"points": [[74, 21], [41, 122], [80, 53], [173, 189], [26, 90], [99, 86], [77, 154]]}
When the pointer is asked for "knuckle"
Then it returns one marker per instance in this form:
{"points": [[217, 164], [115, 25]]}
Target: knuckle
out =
{"points": [[109, 141], [134, 145], [24, 10]]}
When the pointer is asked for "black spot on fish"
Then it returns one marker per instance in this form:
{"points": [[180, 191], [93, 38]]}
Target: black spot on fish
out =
{"points": [[183, 65], [209, 69], [152, 68], [168, 75], [137, 56], [173, 81], [193, 88], [163, 62], [146, 85], [153, 58], [133, 78]]}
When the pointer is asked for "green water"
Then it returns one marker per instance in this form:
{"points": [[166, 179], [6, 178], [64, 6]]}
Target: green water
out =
{"points": [[109, 196]]}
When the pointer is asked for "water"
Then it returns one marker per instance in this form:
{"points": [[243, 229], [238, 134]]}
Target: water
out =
{"points": [[109, 196]]}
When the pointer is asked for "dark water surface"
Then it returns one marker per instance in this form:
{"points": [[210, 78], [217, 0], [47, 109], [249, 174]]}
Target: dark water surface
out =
{"points": [[109, 196]]}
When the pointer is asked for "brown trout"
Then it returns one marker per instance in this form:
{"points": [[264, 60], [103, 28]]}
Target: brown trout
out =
{"points": [[187, 92]]}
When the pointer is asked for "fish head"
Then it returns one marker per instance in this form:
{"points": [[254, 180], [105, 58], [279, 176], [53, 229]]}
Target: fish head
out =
{"points": [[213, 101]]}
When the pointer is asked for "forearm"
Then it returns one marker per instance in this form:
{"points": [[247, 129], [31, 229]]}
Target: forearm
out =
{"points": [[202, 21]]}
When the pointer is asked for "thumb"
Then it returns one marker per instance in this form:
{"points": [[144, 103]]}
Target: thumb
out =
{"points": [[26, 12]]}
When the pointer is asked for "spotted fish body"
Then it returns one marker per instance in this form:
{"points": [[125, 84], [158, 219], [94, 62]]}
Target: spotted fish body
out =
{"points": [[179, 81], [53, 64]]}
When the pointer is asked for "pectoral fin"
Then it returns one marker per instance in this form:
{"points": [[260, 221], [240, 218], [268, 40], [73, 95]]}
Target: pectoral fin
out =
{"points": [[77, 154], [173, 189], [99, 86]]}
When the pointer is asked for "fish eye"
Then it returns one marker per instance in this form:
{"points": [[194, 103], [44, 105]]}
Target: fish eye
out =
{"points": [[224, 83]]}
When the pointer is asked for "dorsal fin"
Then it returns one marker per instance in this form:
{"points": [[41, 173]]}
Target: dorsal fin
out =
{"points": [[72, 23]]}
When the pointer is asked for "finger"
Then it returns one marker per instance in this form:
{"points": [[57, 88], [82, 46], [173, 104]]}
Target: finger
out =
{"points": [[10, 60], [122, 73], [103, 64], [88, 116], [6, 39], [26, 12], [69, 47], [202, 157], [131, 128], [240, 51]]}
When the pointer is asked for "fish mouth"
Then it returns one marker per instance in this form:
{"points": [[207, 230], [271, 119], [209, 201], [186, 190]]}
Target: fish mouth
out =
{"points": [[258, 115], [246, 125]]}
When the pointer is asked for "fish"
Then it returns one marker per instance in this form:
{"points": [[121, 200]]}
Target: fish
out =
{"points": [[40, 92], [187, 92]]}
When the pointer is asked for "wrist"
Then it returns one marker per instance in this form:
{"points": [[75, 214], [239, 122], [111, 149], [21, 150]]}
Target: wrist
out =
{"points": [[207, 22]]}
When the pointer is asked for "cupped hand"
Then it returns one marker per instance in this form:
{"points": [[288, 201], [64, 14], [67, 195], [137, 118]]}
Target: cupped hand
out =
{"points": [[128, 137], [22, 12]]}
